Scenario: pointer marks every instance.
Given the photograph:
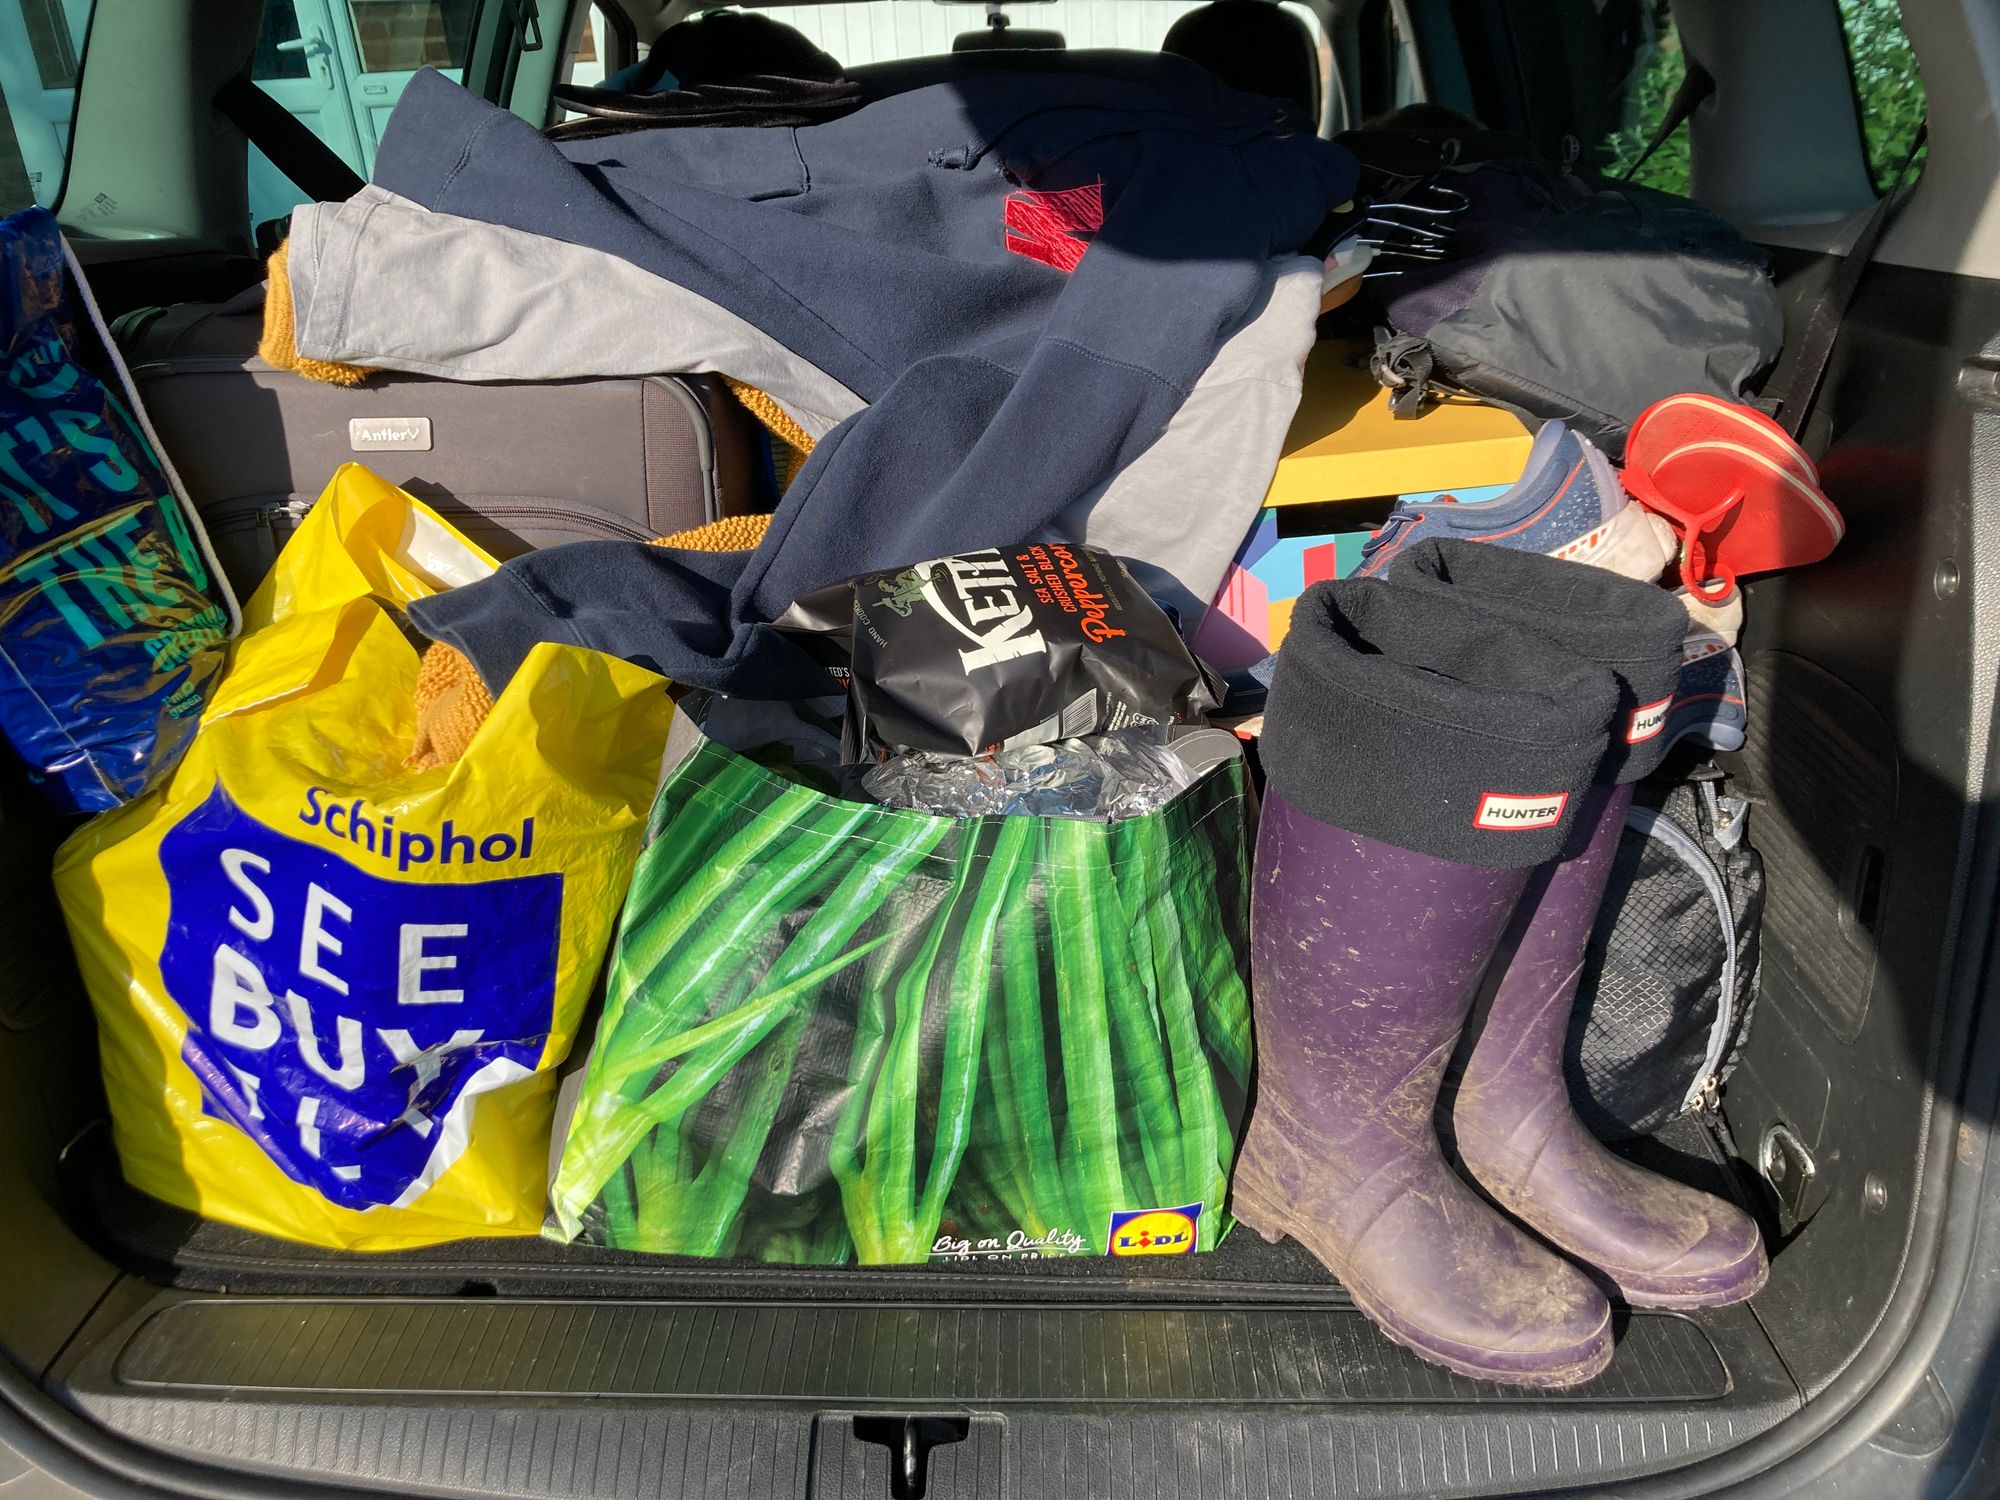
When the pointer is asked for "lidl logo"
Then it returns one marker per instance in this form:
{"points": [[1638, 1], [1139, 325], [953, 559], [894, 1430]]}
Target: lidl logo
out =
{"points": [[1154, 1231]]}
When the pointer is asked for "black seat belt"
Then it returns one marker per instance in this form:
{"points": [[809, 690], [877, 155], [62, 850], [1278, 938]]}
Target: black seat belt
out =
{"points": [[314, 167], [1696, 85], [1823, 326]]}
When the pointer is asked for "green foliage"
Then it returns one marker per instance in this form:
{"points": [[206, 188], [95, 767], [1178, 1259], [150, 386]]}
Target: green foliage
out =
{"points": [[1658, 79], [1886, 83]]}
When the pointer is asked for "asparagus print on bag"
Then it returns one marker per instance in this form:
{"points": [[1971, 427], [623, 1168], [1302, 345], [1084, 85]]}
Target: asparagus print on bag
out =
{"points": [[838, 1032]]}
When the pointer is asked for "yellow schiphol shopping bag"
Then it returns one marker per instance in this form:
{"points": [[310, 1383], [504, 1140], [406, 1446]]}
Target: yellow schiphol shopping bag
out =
{"points": [[331, 990]]}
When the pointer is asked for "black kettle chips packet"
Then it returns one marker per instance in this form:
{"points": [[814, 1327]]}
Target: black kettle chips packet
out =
{"points": [[995, 649]]}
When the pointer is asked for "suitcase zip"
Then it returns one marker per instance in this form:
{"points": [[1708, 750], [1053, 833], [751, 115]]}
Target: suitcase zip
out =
{"points": [[272, 522], [607, 526], [281, 519]]}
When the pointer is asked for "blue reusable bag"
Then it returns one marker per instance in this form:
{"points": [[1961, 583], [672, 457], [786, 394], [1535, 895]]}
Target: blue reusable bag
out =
{"points": [[113, 612]]}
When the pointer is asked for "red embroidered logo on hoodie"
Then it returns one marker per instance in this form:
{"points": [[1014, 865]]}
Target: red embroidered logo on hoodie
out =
{"points": [[1051, 226]]}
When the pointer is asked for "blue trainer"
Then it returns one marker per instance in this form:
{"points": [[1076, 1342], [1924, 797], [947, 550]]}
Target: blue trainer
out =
{"points": [[1708, 700], [1567, 503]]}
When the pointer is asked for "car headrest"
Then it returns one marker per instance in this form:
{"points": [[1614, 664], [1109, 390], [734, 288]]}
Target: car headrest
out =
{"points": [[729, 44], [1252, 45]]}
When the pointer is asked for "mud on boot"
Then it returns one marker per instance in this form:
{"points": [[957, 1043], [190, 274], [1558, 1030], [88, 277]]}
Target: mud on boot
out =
{"points": [[1358, 1009], [1661, 1243], [1420, 763]]}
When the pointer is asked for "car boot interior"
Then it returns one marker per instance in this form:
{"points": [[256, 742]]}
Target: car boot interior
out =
{"points": [[147, 1350]]}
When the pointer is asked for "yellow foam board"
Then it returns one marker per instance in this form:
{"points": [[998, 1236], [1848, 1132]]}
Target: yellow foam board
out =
{"points": [[1281, 620], [1345, 445]]}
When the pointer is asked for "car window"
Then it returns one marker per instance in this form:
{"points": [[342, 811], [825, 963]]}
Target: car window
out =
{"points": [[1645, 90], [1888, 91], [41, 45], [339, 66], [1887, 86], [590, 61], [859, 32]]}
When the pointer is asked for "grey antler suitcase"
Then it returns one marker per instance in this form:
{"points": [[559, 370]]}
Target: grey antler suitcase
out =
{"points": [[514, 465]]}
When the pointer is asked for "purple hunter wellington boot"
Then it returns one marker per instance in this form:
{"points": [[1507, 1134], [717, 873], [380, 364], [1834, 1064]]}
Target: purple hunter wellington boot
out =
{"points": [[1661, 1243], [1420, 761]]}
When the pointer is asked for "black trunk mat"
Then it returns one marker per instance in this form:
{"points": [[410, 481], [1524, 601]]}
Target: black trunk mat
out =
{"points": [[175, 1248], [598, 1400], [847, 1352]]}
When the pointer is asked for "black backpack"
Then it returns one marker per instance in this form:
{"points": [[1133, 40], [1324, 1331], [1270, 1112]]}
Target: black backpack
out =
{"points": [[1670, 975], [1559, 294]]}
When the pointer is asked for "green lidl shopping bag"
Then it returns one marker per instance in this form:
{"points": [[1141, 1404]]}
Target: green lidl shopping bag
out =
{"points": [[840, 1032]]}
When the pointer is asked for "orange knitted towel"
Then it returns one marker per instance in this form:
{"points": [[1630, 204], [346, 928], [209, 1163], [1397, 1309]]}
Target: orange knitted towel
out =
{"points": [[730, 534], [279, 346], [778, 422], [451, 705]]}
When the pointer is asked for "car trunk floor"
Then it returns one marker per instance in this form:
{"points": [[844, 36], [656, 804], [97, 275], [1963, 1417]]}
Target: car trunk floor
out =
{"points": [[770, 1390], [534, 1396], [525, 1367], [525, 1318]]}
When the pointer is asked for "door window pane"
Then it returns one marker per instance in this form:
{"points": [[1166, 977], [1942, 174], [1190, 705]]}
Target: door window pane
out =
{"points": [[54, 46], [41, 42], [273, 59], [400, 36]]}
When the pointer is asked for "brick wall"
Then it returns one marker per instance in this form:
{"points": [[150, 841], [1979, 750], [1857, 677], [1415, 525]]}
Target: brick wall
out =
{"points": [[398, 35]]}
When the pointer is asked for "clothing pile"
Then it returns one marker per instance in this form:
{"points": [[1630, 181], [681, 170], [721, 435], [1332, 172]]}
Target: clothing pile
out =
{"points": [[915, 844], [909, 284]]}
